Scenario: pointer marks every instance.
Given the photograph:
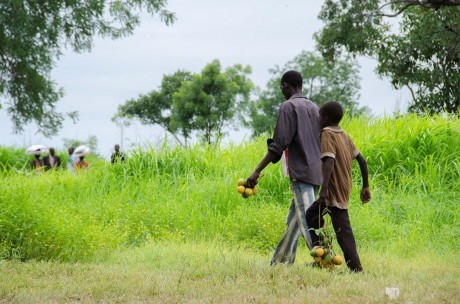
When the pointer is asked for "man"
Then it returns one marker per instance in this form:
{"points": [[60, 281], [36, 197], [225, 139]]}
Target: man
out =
{"points": [[51, 161], [297, 131], [117, 155]]}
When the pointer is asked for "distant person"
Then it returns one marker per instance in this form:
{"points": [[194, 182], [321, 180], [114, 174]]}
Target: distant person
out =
{"points": [[81, 163], [337, 154], [51, 161], [297, 131], [117, 155], [71, 161], [37, 163]]}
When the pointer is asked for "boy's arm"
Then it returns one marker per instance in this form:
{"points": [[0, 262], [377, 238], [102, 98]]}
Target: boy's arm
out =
{"points": [[328, 168], [365, 192]]}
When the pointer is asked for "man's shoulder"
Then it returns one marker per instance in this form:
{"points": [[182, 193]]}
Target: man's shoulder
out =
{"points": [[299, 100]]}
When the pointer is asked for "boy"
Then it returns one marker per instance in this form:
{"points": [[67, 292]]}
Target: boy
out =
{"points": [[337, 154]]}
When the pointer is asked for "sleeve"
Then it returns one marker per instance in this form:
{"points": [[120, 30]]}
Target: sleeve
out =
{"points": [[355, 152], [328, 148], [285, 130]]}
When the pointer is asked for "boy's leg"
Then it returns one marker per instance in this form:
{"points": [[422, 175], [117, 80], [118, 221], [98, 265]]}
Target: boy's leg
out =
{"points": [[315, 220], [345, 238]]}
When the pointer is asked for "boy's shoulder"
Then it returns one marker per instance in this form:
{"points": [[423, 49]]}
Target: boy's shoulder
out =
{"points": [[335, 132]]}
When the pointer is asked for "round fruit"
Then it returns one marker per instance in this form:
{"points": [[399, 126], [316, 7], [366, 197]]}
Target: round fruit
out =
{"points": [[241, 182], [329, 266], [317, 259], [313, 251], [319, 251], [328, 258], [337, 260], [241, 189], [249, 191], [255, 190]]}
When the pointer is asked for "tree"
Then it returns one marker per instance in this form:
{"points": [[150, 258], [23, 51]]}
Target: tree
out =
{"points": [[32, 35], [211, 100], [421, 53], [187, 103], [155, 107], [322, 81]]}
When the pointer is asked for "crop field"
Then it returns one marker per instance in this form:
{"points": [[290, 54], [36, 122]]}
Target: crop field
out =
{"points": [[168, 225]]}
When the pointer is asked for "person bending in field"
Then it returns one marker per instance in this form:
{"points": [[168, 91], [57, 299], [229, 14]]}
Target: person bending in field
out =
{"points": [[81, 164], [297, 130], [337, 154]]}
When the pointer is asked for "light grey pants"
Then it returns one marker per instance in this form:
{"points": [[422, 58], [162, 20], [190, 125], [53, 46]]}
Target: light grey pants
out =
{"points": [[304, 195]]}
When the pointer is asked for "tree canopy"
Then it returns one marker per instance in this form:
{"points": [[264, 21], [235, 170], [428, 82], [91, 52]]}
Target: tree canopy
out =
{"points": [[322, 81], [419, 49], [185, 103], [32, 36]]}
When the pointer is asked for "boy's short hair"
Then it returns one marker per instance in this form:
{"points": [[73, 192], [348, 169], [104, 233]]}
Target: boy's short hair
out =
{"points": [[333, 110], [293, 78]]}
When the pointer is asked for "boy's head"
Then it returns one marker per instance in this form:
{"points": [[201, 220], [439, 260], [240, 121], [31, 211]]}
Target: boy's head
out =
{"points": [[330, 114]]}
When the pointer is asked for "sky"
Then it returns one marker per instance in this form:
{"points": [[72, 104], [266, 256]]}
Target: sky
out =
{"points": [[259, 33]]}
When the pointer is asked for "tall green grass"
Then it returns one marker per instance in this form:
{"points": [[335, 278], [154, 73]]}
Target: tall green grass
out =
{"points": [[190, 195]]}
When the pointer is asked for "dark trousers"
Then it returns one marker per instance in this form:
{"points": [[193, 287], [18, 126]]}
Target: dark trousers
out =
{"points": [[342, 228]]}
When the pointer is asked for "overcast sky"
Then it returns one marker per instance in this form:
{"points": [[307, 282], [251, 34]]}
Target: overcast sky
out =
{"points": [[259, 33]]}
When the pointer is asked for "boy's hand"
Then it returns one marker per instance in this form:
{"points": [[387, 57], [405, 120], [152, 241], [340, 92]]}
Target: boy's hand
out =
{"points": [[365, 195], [323, 195]]}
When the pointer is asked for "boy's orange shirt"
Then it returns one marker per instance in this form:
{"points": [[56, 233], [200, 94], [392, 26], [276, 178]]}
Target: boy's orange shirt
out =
{"points": [[337, 144]]}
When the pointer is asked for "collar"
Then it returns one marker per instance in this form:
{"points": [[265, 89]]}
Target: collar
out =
{"points": [[335, 129], [298, 95]]}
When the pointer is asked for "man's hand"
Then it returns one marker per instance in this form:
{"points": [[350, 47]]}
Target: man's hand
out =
{"points": [[365, 195], [251, 181]]}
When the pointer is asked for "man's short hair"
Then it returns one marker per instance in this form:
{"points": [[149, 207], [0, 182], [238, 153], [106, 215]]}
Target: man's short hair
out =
{"points": [[333, 110], [293, 78]]}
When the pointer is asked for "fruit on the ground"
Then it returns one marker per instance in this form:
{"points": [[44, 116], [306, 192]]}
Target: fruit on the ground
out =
{"points": [[241, 182]]}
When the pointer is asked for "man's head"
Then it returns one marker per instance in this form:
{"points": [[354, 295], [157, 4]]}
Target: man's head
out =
{"points": [[52, 151], [291, 83], [330, 113], [117, 147]]}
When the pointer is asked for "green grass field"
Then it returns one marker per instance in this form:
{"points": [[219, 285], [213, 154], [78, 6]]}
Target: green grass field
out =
{"points": [[167, 226]]}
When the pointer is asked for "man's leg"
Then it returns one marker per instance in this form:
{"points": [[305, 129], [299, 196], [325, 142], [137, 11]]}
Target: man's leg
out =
{"points": [[286, 250], [345, 238], [304, 195]]}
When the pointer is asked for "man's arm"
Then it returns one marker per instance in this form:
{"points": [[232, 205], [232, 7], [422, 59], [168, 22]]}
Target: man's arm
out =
{"points": [[328, 168], [268, 158], [365, 192]]}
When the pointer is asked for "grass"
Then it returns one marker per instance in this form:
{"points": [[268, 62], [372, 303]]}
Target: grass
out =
{"points": [[168, 226], [170, 272]]}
